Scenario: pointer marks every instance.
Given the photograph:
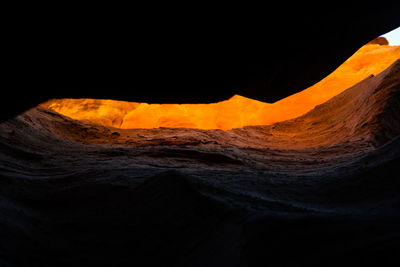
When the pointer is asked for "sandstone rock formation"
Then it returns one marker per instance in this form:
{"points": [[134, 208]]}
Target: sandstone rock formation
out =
{"points": [[236, 112]]}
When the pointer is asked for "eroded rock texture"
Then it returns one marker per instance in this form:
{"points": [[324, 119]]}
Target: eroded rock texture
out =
{"points": [[320, 189]]}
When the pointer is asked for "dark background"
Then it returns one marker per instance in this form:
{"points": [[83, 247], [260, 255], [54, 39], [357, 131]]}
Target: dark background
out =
{"points": [[182, 54]]}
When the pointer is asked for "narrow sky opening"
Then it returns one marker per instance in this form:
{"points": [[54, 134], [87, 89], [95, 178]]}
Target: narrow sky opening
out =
{"points": [[393, 37]]}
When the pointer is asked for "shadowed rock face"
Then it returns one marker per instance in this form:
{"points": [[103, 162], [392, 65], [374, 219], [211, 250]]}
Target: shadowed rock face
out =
{"points": [[319, 189]]}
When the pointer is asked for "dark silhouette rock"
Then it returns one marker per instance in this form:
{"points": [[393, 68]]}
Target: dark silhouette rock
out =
{"points": [[379, 41]]}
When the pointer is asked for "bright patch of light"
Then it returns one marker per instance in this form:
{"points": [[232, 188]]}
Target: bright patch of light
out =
{"points": [[393, 37]]}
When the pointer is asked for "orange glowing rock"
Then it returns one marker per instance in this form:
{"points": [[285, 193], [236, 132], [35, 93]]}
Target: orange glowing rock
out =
{"points": [[236, 112]]}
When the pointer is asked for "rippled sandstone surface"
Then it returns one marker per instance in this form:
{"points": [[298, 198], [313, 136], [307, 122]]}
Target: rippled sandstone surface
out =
{"points": [[318, 189]]}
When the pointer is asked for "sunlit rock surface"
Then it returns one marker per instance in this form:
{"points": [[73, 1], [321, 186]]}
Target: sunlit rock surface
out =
{"points": [[236, 112]]}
